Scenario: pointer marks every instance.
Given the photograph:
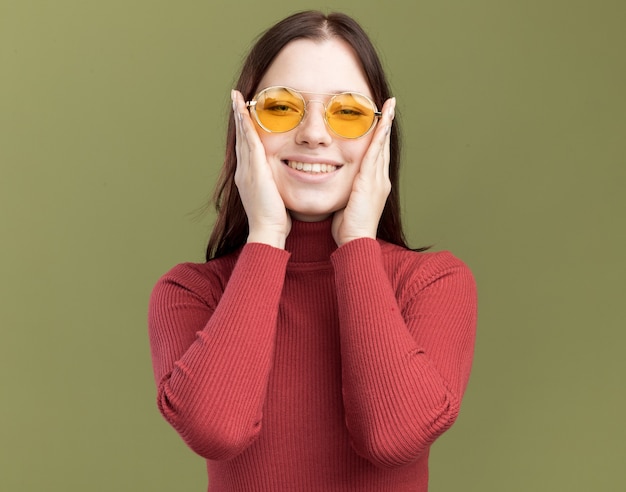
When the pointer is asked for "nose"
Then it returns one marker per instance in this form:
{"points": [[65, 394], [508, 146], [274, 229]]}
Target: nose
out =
{"points": [[313, 131]]}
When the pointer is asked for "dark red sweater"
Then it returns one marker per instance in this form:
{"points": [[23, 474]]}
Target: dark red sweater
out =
{"points": [[314, 368]]}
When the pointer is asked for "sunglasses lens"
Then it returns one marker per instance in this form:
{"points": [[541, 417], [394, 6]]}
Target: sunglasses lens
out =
{"points": [[279, 109], [351, 115]]}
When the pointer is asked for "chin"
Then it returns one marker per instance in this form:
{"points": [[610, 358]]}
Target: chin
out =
{"points": [[309, 216], [317, 207]]}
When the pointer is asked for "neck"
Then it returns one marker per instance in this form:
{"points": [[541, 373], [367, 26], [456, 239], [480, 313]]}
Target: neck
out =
{"points": [[308, 218], [310, 241]]}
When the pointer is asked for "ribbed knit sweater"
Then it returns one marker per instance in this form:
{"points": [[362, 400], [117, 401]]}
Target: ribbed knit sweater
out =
{"points": [[314, 368]]}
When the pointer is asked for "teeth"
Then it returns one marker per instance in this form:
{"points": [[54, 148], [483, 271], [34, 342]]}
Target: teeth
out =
{"points": [[315, 168]]}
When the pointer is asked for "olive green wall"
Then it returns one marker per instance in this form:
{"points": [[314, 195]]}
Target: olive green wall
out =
{"points": [[111, 122]]}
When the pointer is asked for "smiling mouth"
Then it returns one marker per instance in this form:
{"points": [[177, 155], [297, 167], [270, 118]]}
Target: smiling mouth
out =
{"points": [[313, 168]]}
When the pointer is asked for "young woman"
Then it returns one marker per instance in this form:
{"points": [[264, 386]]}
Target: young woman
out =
{"points": [[313, 351]]}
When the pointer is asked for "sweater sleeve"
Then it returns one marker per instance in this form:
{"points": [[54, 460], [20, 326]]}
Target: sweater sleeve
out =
{"points": [[406, 348], [212, 351]]}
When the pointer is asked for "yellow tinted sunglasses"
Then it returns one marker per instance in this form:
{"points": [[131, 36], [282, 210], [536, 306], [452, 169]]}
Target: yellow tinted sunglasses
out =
{"points": [[281, 109]]}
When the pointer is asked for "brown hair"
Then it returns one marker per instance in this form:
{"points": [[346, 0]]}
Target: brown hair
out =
{"points": [[231, 227]]}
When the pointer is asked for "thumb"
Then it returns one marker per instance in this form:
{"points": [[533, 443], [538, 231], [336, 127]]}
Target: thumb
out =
{"points": [[336, 225]]}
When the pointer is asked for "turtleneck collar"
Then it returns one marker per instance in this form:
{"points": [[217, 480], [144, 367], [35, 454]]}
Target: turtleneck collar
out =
{"points": [[310, 241]]}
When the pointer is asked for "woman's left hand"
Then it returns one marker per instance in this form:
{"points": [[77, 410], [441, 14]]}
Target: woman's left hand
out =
{"points": [[370, 188]]}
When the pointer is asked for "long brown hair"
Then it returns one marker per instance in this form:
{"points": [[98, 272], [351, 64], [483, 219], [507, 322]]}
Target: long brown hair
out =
{"points": [[231, 226]]}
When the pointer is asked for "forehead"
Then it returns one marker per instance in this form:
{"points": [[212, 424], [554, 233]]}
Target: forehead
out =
{"points": [[327, 66]]}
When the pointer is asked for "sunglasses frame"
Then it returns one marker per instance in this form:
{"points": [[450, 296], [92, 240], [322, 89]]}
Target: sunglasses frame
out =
{"points": [[251, 105]]}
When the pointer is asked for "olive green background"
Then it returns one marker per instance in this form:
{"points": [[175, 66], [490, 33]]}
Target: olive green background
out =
{"points": [[111, 136]]}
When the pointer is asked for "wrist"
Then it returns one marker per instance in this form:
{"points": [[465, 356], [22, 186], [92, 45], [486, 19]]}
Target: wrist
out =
{"points": [[342, 241], [271, 238]]}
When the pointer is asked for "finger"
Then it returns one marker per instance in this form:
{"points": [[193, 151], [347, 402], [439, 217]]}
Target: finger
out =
{"points": [[239, 105], [391, 111], [238, 136], [375, 157], [383, 158], [246, 126], [242, 115], [244, 129]]}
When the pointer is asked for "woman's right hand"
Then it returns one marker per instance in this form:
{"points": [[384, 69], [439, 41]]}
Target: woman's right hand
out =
{"points": [[268, 219]]}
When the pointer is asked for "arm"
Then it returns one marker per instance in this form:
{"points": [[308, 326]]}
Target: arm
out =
{"points": [[212, 351], [405, 366], [211, 385]]}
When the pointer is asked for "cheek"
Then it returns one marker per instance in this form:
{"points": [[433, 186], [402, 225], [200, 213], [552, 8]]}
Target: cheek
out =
{"points": [[355, 150], [272, 142], [352, 151]]}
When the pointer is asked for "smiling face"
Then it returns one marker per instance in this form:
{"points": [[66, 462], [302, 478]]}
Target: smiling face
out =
{"points": [[313, 167]]}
